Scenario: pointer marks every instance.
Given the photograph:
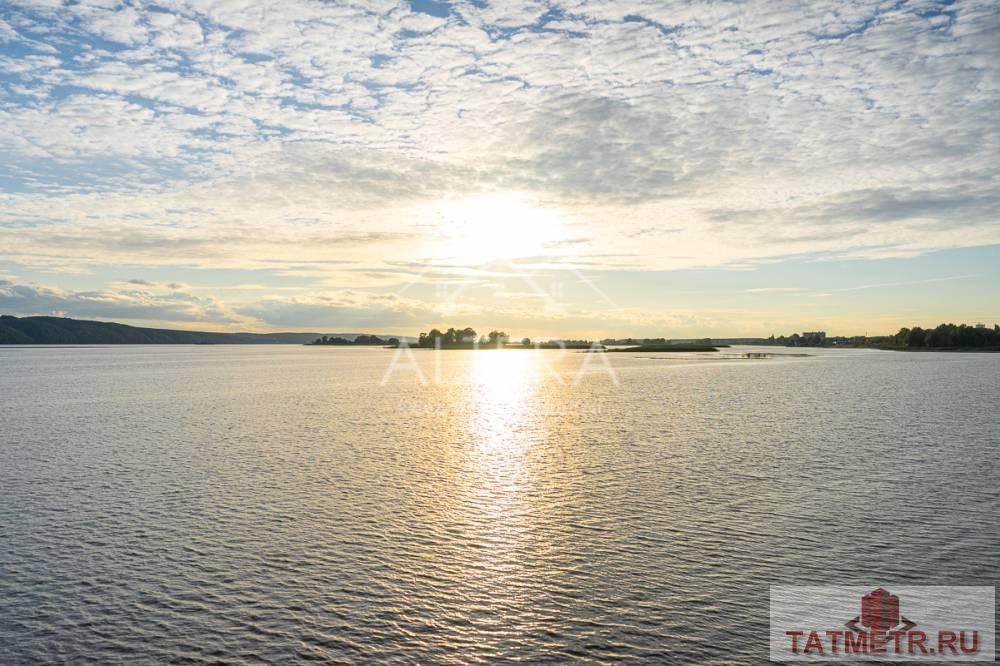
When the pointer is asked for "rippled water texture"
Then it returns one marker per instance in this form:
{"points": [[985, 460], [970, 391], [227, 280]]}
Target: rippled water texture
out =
{"points": [[279, 504]]}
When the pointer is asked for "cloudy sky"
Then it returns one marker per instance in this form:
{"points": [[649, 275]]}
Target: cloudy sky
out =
{"points": [[553, 168]]}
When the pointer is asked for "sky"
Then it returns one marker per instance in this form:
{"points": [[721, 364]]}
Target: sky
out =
{"points": [[566, 169]]}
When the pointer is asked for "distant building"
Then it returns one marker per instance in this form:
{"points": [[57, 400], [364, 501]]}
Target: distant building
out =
{"points": [[980, 325], [813, 339]]}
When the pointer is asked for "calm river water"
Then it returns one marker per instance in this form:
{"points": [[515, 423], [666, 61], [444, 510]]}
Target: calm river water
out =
{"points": [[282, 504]]}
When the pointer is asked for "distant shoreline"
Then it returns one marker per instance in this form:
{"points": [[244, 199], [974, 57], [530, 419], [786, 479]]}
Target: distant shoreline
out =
{"points": [[47, 331], [670, 348], [494, 347], [960, 350]]}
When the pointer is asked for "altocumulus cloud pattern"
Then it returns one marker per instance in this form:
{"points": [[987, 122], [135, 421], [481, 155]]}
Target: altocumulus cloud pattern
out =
{"points": [[315, 139]]}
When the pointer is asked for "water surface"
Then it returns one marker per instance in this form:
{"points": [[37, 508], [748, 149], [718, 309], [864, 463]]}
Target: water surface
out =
{"points": [[280, 504]]}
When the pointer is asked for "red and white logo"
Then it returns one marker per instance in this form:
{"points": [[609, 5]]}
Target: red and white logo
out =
{"points": [[880, 612], [951, 624]]}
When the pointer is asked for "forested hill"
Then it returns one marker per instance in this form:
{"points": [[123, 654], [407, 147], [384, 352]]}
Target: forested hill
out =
{"points": [[62, 331]]}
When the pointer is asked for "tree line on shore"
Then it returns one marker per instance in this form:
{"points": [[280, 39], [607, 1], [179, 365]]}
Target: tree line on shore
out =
{"points": [[947, 335], [943, 336]]}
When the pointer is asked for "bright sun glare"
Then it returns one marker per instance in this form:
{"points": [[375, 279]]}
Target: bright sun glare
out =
{"points": [[499, 226]]}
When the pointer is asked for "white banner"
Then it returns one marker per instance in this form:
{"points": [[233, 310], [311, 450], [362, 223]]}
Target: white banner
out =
{"points": [[890, 623]]}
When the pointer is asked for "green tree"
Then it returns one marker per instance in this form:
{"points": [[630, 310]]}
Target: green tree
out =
{"points": [[432, 338]]}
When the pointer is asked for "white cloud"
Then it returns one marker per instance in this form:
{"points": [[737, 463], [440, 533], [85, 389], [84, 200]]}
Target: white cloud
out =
{"points": [[135, 303], [226, 134], [346, 308]]}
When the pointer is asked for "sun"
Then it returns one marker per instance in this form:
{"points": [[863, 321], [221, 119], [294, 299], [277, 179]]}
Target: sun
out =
{"points": [[498, 226]]}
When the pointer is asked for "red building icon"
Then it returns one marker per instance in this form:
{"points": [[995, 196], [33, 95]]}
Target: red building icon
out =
{"points": [[879, 610]]}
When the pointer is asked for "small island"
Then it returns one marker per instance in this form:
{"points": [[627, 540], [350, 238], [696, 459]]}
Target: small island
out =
{"points": [[467, 338], [369, 340], [667, 348]]}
